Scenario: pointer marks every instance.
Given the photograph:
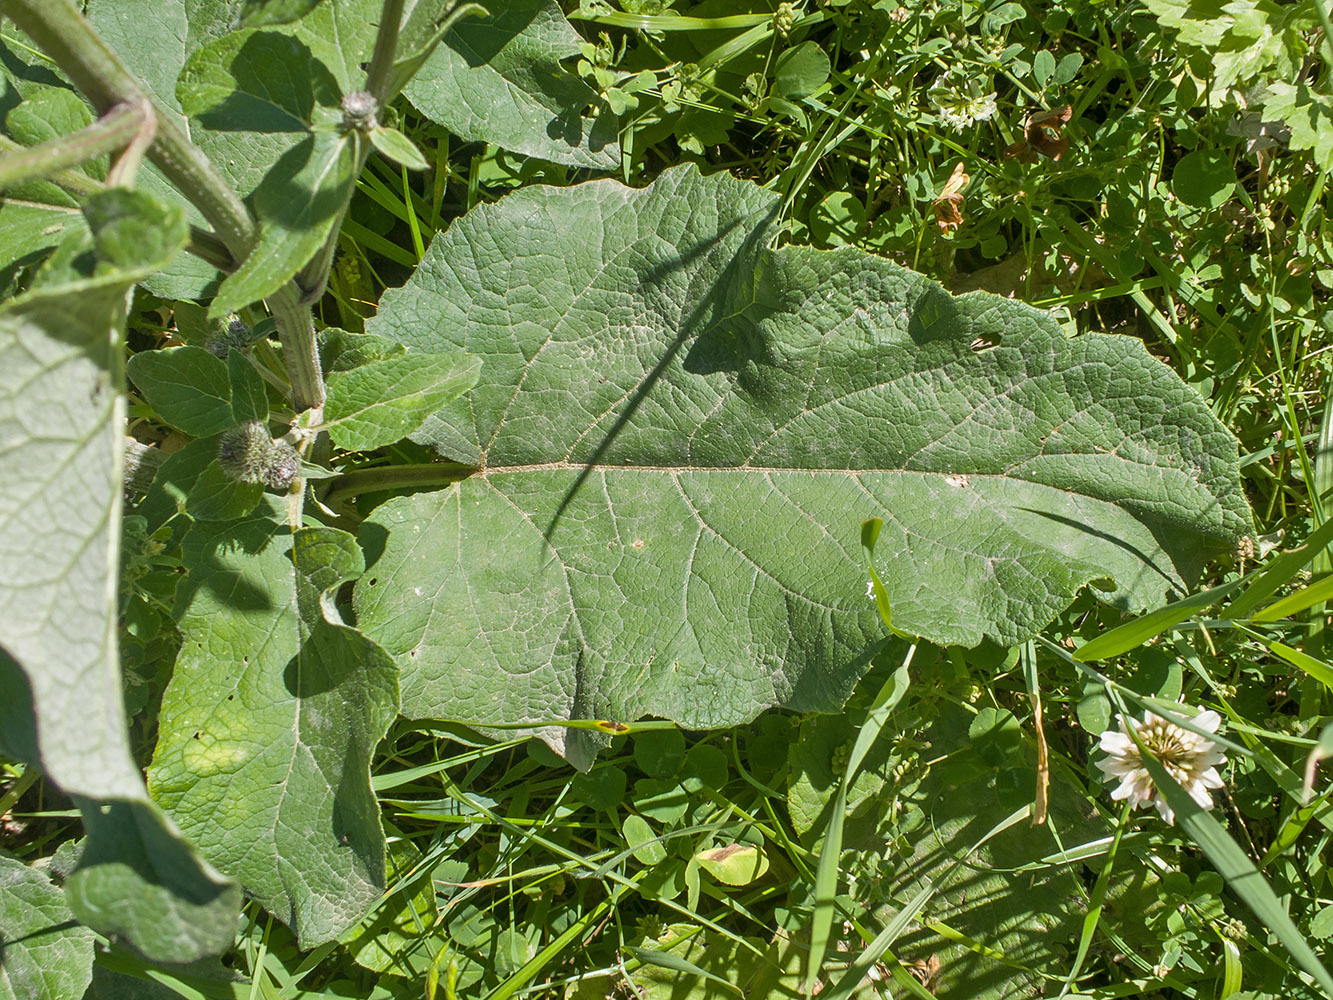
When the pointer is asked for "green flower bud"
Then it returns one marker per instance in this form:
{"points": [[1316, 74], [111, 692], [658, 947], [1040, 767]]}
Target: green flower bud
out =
{"points": [[237, 335], [360, 111], [783, 20], [283, 463], [245, 451]]}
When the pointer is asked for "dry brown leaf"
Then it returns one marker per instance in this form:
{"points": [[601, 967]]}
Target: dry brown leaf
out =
{"points": [[1041, 135]]}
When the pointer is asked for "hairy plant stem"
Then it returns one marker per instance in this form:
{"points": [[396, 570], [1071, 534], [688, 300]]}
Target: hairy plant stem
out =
{"points": [[386, 47], [62, 32], [300, 352], [314, 277], [396, 477], [75, 182], [125, 168], [204, 244], [115, 130]]}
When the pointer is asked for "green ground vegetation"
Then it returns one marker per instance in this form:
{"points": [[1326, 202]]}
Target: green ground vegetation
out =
{"points": [[1152, 169]]}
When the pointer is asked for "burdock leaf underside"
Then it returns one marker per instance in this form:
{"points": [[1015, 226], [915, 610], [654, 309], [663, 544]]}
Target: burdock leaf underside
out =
{"points": [[62, 417], [679, 430]]}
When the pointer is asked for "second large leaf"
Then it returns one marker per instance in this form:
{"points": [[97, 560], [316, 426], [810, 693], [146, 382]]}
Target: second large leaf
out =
{"points": [[679, 430]]}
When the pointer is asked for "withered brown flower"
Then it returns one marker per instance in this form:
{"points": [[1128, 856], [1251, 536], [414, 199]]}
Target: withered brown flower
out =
{"points": [[1041, 135], [949, 205]]}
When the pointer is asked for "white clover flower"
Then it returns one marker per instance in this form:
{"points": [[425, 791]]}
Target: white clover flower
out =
{"points": [[961, 106], [1188, 757]]}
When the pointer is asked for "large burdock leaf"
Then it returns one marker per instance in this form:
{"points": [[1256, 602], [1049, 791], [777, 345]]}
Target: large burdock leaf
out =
{"points": [[678, 432], [270, 82], [62, 413], [271, 718], [155, 58], [158, 57], [27, 229], [47, 956], [498, 78], [255, 81]]}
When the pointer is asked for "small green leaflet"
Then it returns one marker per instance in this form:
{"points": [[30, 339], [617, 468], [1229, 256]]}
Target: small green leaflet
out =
{"points": [[298, 202], [384, 401], [397, 147], [187, 386]]}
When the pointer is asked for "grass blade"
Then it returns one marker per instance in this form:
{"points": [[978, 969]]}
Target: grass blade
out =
{"points": [[1095, 905], [1316, 668], [1278, 572], [1135, 633], [826, 876], [674, 963], [1306, 597]]}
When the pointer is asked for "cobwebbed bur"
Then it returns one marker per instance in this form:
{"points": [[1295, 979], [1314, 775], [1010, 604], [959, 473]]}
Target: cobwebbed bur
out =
{"points": [[248, 454], [244, 451]]}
